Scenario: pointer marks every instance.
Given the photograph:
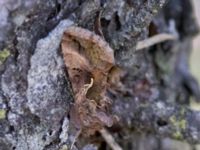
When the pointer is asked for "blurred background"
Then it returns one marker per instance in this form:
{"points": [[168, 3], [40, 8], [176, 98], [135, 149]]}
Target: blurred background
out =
{"points": [[167, 144], [195, 57], [195, 69]]}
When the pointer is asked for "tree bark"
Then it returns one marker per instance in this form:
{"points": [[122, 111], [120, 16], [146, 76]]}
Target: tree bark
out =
{"points": [[35, 89]]}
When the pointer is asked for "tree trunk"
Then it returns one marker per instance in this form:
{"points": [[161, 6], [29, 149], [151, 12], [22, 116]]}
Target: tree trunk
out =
{"points": [[36, 91]]}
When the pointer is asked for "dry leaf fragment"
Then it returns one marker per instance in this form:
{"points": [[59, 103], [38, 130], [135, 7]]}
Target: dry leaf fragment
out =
{"points": [[88, 57]]}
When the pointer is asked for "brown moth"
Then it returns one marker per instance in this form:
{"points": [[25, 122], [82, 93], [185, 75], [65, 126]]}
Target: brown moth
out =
{"points": [[88, 59]]}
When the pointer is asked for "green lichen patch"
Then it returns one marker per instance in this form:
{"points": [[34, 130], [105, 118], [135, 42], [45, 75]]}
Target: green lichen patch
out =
{"points": [[180, 126], [177, 135], [2, 114], [64, 147], [3, 55], [178, 123]]}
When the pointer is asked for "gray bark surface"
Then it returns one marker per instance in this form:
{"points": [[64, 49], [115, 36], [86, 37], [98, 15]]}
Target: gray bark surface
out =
{"points": [[35, 91]]}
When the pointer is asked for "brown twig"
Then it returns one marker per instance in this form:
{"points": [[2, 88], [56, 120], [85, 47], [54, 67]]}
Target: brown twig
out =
{"points": [[75, 139], [154, 40], [110, 140]]}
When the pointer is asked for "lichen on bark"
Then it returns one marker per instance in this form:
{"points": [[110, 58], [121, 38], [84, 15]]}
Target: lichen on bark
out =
{"points": [[35, 91]]}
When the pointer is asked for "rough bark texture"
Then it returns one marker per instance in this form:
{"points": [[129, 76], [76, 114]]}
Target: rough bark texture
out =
{"points": [[35, 89]]}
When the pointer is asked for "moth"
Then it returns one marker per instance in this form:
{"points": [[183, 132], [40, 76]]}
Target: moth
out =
{"points": [[89, 59]]}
